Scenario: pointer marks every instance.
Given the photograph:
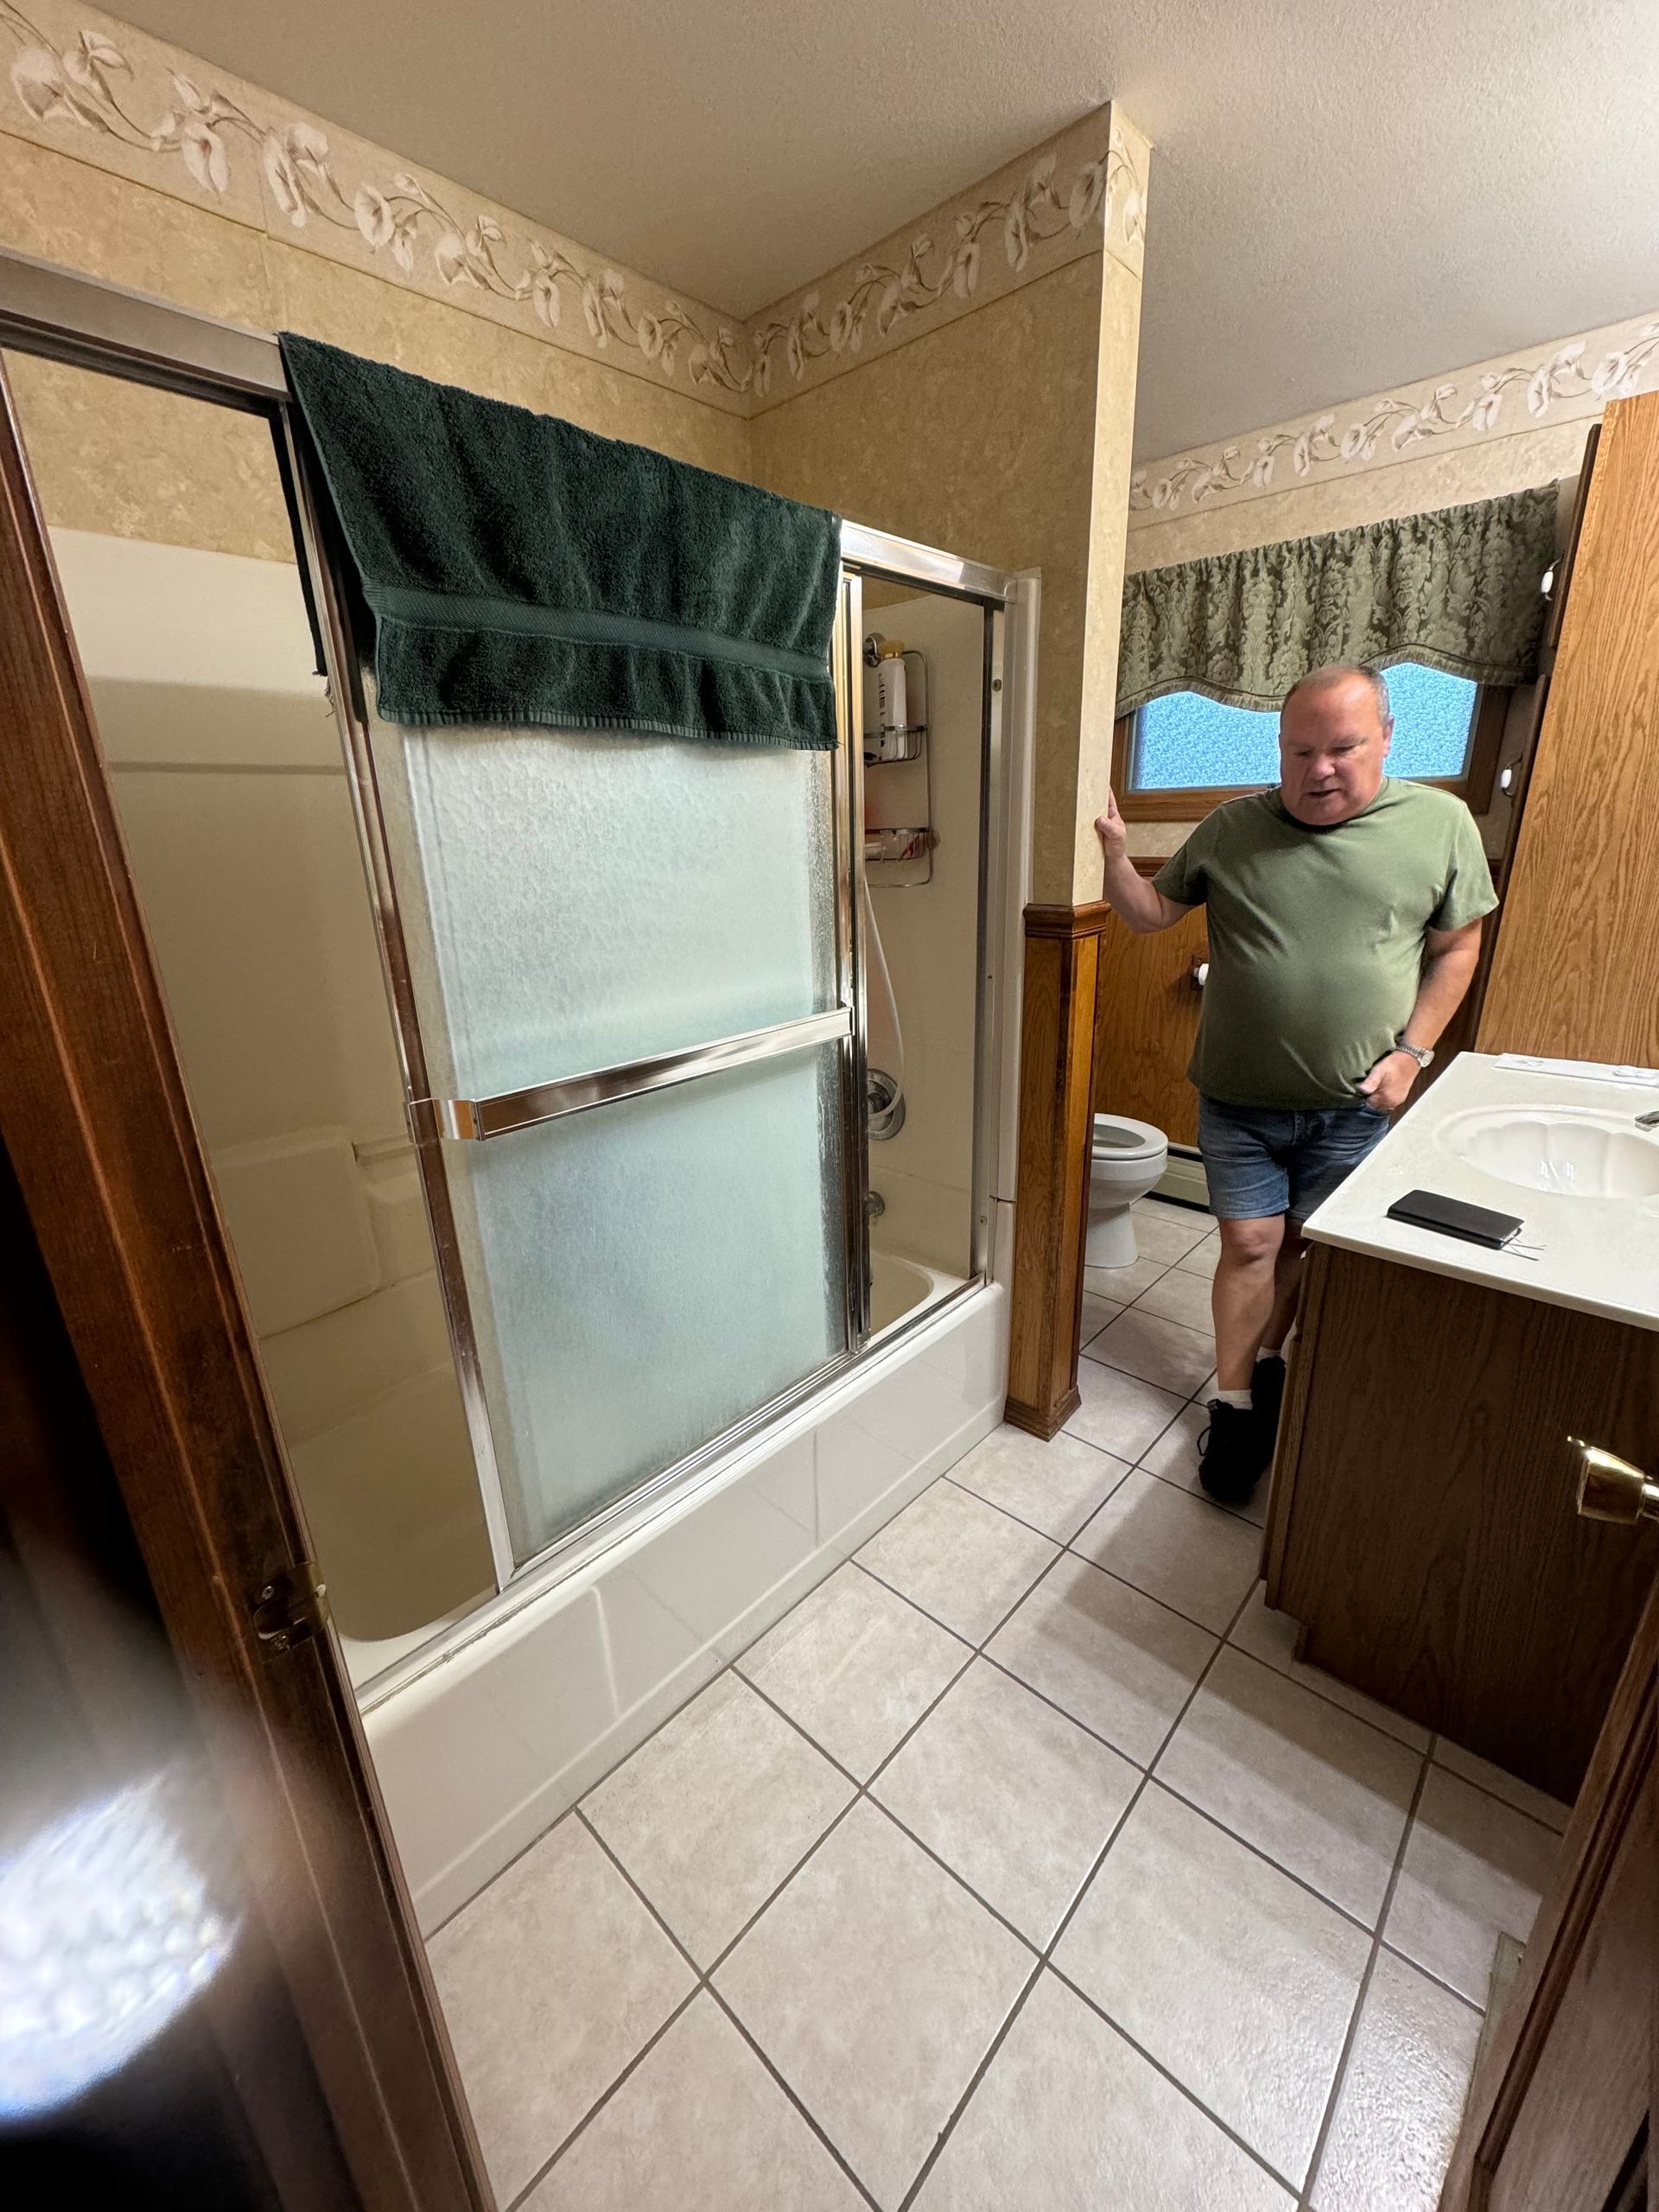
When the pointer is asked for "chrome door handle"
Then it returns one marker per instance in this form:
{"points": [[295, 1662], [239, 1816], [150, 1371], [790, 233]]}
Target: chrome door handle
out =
{"points": [[1611, 1489]]}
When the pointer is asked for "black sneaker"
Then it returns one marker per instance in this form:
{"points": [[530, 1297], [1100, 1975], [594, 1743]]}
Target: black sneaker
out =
{"points": [[1233, 1455], [1268, 1392]]}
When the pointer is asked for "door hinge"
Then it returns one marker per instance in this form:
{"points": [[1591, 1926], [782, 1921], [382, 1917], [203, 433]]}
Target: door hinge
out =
{"points": [[292, 1607]]}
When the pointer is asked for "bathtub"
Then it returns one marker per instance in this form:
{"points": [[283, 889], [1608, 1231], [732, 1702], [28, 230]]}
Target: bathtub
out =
{"points": [[899, 1284], [522, 1708]]}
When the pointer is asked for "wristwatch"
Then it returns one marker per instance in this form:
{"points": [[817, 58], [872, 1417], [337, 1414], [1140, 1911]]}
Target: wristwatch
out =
{"points": [[1421, 1053]]}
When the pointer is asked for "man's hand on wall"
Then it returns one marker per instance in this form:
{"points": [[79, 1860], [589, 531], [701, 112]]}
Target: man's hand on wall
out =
{"points": [[1110, 829]]}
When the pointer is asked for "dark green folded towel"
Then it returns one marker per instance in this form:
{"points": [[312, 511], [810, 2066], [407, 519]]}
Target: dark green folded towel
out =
{"points": [[513, 569]]}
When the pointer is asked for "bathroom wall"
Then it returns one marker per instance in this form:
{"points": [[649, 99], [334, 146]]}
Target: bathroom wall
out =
{"points": [[1467, 433], [969, 381], [930, 935], [984, 404], [124, 157]]}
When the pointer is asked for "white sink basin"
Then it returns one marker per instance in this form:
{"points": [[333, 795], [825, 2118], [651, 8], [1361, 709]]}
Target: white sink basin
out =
{"points": [[1571, 1151]]}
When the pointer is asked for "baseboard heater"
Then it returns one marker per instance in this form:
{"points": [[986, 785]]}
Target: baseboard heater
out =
{"points": [[1183, 1179]]}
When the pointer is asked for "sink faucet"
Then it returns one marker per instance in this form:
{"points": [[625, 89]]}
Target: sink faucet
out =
{"points": [[1650, 1120]]}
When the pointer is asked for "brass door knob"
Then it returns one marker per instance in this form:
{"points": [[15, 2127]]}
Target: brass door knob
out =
{"points": [[1611, 1489]]}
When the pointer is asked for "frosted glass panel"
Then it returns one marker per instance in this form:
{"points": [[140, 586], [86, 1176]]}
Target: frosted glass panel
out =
{"points": [[589, 900], [644, 1274]]}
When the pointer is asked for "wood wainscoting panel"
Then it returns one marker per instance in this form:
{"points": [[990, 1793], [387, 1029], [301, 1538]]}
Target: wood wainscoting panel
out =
{"points": [[1423, 1526], [1573, 970], [1052, 1201], [1145, 1022]]}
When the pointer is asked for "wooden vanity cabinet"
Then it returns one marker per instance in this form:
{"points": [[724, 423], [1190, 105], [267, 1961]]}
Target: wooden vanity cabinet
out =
{"points": [[1422, 1526]]}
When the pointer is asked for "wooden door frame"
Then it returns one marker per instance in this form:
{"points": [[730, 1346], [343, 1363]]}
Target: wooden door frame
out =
{"points": [[1621, 1769], [95, 1116]]}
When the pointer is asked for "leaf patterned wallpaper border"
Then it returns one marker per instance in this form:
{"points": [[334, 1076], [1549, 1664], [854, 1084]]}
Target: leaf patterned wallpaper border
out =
{"points": [[81, 83], [1554, 381]]}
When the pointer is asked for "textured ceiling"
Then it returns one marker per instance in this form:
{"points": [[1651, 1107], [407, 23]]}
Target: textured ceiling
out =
{"points": [[1343, 196]]}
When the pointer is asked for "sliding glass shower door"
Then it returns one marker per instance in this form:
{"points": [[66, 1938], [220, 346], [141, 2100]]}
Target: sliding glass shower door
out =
{"points": [[630, 961]]}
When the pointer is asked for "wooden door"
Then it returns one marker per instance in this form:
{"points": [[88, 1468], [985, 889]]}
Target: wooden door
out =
{"points": [[1145, 1024], [95, 1120], [1559, 2116], [1573, 972]]}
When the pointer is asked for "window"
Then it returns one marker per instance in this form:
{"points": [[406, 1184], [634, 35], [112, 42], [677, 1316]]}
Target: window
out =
{"points": [[1181, 754]]}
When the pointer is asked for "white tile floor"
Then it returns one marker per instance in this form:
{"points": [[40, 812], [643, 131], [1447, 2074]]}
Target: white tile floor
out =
{"points": [[1021, 1865]]}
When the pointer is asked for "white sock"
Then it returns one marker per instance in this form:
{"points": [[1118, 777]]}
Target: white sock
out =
{"points": [[1239, 1398]]}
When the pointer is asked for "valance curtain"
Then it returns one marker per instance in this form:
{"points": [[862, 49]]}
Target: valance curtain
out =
{"points": [[1458, 589], [510, 568]]}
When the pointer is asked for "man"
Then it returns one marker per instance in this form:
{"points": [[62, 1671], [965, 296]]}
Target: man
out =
{"points": [[1344, 917]]}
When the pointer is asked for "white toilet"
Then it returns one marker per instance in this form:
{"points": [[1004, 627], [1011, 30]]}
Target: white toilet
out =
{"points": [[1129, 1158]]}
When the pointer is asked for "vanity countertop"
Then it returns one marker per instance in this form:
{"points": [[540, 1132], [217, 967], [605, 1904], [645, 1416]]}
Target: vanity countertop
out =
{"points": [[1595, 1255]]}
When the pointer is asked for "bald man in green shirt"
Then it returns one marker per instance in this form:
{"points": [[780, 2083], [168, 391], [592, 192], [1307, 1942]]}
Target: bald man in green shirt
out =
{"points": [[1343, 915]]}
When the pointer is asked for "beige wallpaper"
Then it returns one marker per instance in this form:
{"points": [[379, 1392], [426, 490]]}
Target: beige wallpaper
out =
{"points": [[1407, 487], [1472, 432], [113, 457], [1081, 191], [968, 382], [978, 436], [78, 81], [75, 80]]}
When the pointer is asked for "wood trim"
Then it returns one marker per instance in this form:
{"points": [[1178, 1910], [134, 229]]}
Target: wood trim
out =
{"points": [[1621, 1767], [1057, 1046], [1474, 786], [1148, 863], [1286, 1456], [1087, 920], [1571, 968], [103, 1700], [1562, 584], [94, 1113]]}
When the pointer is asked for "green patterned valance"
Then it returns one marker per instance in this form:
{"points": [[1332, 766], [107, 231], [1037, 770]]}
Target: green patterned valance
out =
{"points": [[1459, 589]]}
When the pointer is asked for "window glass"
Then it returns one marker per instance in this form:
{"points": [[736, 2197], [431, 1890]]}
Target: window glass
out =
{"points": [[1186, 742]]}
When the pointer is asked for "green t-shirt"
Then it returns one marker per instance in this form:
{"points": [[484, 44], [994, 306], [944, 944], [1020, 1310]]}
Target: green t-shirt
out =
{"points": [[1316, 936]]}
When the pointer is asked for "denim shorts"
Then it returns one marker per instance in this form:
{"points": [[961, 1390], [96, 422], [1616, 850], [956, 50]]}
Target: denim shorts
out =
{"points": [[1261, 1160]]}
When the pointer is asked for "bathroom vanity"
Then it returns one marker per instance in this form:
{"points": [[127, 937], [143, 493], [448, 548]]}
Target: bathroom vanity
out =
{"points": [[1423, 1526]]}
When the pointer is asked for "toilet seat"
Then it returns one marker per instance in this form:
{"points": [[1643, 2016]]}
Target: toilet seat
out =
{"points": [[1117, 1138]]}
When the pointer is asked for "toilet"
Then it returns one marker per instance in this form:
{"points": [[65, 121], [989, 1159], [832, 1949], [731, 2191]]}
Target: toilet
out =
{"points": [[1128, 1158]]}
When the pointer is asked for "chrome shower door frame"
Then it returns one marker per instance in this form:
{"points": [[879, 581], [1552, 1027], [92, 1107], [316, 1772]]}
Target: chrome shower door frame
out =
{"points": [[86, 322]]}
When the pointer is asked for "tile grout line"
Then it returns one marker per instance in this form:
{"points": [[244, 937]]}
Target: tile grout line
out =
{"points": [[602, 2101], [1046, 1962], [861, 1791], [1470, 2004], [1061, 1551], [821, 2133], [703, 1985], [918, 2180], [1304, 2195]]}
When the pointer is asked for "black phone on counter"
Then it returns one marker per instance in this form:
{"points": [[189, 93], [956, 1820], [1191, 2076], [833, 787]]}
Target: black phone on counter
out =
{"points": [[1457, 1217]]}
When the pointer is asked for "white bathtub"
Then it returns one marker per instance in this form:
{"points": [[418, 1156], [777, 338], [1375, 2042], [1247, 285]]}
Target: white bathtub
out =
{"points": [[517, 1716], [899, 1284]]}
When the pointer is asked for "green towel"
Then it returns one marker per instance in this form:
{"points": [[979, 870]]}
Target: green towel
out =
{"points": [[513, 569]]}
